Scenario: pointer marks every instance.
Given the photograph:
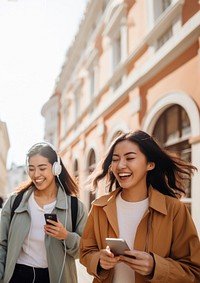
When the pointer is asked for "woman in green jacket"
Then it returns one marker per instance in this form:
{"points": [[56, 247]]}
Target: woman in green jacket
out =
{"points": [[143, 207], [31, 250]]}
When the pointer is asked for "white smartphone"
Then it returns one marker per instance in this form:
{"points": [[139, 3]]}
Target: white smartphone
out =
{"points": [[117, 245]]}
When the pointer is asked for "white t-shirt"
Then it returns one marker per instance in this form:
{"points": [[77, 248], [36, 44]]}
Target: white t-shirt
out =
{"points": [[33, 252], [129, 215]]}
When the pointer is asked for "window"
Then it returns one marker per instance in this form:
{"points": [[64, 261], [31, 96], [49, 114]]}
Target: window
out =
{"points": [[173, 126], [165, 4], [159, 7], [76, 105], [164, 37], [116, 30], [92, 83], [91, 166], [91, 161], [92, 90], [164, 21], [117, 134], [65, 114], [76, 170], [116, 51], [173, 131]]}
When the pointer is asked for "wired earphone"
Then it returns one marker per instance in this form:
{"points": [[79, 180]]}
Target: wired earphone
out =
{"points": [[56, 170]]}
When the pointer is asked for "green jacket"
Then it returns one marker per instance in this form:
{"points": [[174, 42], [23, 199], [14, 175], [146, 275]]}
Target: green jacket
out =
{"points": [[13, 234], [166, 230]]}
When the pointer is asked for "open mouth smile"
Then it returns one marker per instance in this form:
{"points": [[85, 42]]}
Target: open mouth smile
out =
{"points": [[39, 181], [124, 175]]}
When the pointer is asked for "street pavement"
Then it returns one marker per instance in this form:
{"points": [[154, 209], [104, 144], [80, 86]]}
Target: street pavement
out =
{"points": [[83, 276]]}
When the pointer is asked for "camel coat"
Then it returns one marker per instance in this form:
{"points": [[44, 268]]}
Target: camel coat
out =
{"points": [[166, 230]]}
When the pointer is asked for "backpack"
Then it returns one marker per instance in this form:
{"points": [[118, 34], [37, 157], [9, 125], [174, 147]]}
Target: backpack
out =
{"points": [[74, 208]]}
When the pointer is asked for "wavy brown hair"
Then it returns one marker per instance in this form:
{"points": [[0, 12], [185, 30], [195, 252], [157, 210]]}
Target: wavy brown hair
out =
{"points": [[64, 179], [168, 176]]}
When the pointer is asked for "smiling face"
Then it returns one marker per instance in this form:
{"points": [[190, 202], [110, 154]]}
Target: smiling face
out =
{"points": [[40, 172], [129, 166]]}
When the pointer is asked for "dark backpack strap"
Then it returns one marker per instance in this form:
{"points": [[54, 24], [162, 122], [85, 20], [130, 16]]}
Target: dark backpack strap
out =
{"points": [[16, 203], [74, 210]]}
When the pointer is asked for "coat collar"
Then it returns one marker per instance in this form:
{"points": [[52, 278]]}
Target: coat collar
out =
{"points": [[62, 199], [61, 202], [106, 199], [157, 200]]}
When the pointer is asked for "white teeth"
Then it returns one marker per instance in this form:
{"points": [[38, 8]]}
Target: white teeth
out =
{"points": [[39, 181], [124, 174]]}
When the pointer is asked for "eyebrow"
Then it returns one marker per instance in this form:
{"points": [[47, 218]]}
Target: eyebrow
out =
{"points": [[130, 152], [41, 165]]}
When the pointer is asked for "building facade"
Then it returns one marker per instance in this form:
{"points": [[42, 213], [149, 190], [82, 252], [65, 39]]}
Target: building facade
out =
{"points": [[4, 147], [50, 111], [134, 64], [16, 175]]}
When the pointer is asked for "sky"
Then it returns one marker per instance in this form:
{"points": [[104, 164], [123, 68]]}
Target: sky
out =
{"points": [[34, 38]]}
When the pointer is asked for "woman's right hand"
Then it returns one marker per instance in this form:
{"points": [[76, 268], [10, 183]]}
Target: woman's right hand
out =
{"points": [[107, 259]]}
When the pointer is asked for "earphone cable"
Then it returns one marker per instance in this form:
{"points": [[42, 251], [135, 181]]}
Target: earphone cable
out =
{"points": [[33, 275], [65, 224]]}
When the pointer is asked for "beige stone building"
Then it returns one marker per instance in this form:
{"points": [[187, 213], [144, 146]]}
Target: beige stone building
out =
{"points": [[4, 147], [134, 64]]}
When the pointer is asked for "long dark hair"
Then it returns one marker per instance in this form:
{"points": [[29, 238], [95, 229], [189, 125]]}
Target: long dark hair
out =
{"points": [[64, 179], [169, 174]]}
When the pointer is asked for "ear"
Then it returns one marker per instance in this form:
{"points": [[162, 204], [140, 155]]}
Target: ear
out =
{"points": [[150, 166]]}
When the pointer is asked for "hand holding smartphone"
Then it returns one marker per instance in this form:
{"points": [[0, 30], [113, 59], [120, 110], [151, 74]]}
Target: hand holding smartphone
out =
{"points": [[118, 246], [51, 216]]}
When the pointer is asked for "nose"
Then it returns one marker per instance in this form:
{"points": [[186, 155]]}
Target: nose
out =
{"points": [[122, 163], [37, 172]]}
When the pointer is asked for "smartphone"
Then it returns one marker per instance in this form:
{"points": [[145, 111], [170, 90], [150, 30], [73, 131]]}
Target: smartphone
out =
{"points": [[51, 216], [118, 246]]}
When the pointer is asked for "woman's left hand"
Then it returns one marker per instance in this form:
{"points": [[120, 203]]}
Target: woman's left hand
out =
{"points": [[56, 230], [141, 262]]}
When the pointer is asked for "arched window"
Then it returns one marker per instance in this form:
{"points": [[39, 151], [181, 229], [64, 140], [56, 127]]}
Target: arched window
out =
{"points": [[76, 170], [173, 131], [91, 167], [91, 161], [117, 134]]}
